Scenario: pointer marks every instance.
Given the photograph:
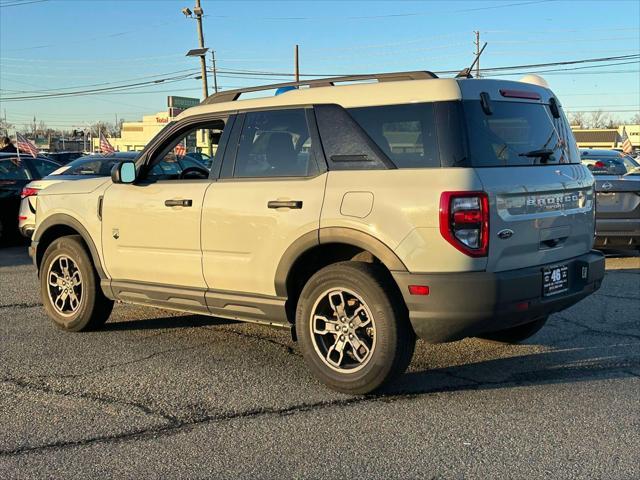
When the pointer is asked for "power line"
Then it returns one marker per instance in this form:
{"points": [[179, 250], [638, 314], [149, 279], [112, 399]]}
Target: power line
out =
{"points": [[19, 4], [251, 74]]}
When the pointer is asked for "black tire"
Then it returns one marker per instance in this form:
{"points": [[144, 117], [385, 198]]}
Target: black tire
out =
{"points": [[516, 334], [389, 338], [92, 307]]}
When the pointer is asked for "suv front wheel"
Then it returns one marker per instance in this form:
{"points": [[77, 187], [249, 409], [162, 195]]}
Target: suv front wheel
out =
{"points": [[70, 287], [354, 334]]}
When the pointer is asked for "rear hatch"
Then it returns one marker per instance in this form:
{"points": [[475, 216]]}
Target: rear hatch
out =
{"points": [[541, 199]]}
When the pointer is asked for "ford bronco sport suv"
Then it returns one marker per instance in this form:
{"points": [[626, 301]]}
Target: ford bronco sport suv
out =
{"points": [[359, 216]]}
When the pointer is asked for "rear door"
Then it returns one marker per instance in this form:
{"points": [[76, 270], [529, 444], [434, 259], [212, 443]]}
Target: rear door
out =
{"points": [[269, 195], [541, 197]]}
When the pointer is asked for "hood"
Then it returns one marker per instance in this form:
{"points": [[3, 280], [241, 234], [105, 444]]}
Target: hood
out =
{"points": [[78, 185]]}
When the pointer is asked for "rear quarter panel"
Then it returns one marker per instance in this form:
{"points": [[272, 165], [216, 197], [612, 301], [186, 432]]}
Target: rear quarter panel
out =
{"points": [[403, 212]]}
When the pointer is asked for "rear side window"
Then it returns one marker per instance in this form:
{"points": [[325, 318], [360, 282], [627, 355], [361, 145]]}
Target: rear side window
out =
{"points": [[275, 143], [405, 133], [12, 169]]}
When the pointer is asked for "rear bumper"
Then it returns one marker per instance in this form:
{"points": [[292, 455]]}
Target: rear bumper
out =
{"points": [[468, 304], [619, 233]]}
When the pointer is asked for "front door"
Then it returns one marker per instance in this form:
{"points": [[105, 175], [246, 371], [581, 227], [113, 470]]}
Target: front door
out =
{"points": [[151, 229]]}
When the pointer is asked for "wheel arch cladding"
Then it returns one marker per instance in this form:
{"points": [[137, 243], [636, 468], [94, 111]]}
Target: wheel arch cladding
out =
{"points": [[61, 225], [323, 247]]}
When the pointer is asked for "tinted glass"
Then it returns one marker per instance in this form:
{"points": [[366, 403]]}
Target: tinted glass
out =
{"points": [[516, 133], [10, 169], [97, 166], [43, 167], [275, 144], [182, 153], [405, 133], [610, 165]]}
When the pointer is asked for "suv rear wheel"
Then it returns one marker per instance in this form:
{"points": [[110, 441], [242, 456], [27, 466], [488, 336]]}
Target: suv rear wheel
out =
{"points": [[353, 333], [70, 287]]}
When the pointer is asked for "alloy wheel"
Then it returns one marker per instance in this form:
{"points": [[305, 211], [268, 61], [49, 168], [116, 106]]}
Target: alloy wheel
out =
{"points": [[64, 282], [343, 330]]}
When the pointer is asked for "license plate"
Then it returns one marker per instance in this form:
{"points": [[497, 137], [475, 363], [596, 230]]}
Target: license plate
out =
{"points": [[555, 280]]}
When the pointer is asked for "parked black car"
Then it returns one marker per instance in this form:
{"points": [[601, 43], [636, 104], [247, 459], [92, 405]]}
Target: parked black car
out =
{"points": [[15, 174]]}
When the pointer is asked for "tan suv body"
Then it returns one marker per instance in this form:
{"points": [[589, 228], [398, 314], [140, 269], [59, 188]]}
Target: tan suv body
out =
{"points": [[358, 216]]}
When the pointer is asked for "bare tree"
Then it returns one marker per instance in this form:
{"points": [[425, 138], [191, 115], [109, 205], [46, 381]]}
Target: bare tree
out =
{"points": [[42, 127], [577, 119], [598, 119], [5, 127], [635, 119], [613, 122]]}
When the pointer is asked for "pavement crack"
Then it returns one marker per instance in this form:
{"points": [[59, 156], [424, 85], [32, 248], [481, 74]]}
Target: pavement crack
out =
{"points": [[595, 330], [21, 305], [290, 350], [120, 364], [44, 388], [175, 426]]}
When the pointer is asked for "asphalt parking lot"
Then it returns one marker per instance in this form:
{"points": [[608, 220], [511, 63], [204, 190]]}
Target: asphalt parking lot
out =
{"points": [[163, 395]]}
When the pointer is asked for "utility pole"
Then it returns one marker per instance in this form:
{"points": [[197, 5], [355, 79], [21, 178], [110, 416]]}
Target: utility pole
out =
{"points": [[477, 42], [297, 64], [203, 61], [215, 75]]}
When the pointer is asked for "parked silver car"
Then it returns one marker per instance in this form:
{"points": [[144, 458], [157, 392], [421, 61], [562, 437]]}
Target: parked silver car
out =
{"points": [[617, 198]]}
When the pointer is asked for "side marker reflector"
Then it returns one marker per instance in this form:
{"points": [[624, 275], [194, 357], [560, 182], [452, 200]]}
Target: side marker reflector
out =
{"points": [[418, 289]]}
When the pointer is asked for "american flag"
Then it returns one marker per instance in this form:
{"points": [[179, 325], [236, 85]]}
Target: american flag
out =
{"points": [[26, 146], [105, 146], [180, 149], [626, 143]]}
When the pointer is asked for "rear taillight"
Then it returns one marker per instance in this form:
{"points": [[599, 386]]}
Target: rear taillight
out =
{"points": [[28, 192], [464, 221]]}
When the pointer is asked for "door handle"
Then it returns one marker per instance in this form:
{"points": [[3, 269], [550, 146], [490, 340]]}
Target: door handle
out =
{"points": [[178, 203], [285, 204]]}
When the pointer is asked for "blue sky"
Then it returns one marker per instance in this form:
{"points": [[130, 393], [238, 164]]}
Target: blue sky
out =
{"points": [[67, 44]]}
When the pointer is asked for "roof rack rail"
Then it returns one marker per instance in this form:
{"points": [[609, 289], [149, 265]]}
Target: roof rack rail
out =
{"points": [[232, 95]]}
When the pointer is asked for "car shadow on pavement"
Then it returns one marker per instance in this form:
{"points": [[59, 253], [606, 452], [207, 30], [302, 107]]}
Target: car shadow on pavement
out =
{"points": [[563, 365], [166, 323], [13, 256]]}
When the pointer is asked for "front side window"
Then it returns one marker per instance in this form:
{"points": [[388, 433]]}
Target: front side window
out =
{"points": [[189, 154], [405, 133], [275, 144]]}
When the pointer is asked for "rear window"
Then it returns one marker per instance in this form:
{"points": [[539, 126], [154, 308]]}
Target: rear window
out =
{"points": [[461, 134], [96, 166], [610, 165], [517, 133]]}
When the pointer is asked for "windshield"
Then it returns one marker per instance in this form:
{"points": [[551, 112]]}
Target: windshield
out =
{"points": [[89, 166], [611, 165], [517, 133]]}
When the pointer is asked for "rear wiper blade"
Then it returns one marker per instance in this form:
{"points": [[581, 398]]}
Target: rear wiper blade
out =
{"points": [[543, 153]]}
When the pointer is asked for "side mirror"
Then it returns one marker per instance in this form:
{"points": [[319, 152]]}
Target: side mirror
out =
{"points": [[123, 172]]}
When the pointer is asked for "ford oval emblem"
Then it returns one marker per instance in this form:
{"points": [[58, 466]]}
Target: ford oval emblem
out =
{"points": [[506, 233], [607, 186]]}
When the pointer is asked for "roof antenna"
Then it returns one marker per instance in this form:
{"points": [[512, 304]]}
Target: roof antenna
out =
{"points": [[466, 73]]}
